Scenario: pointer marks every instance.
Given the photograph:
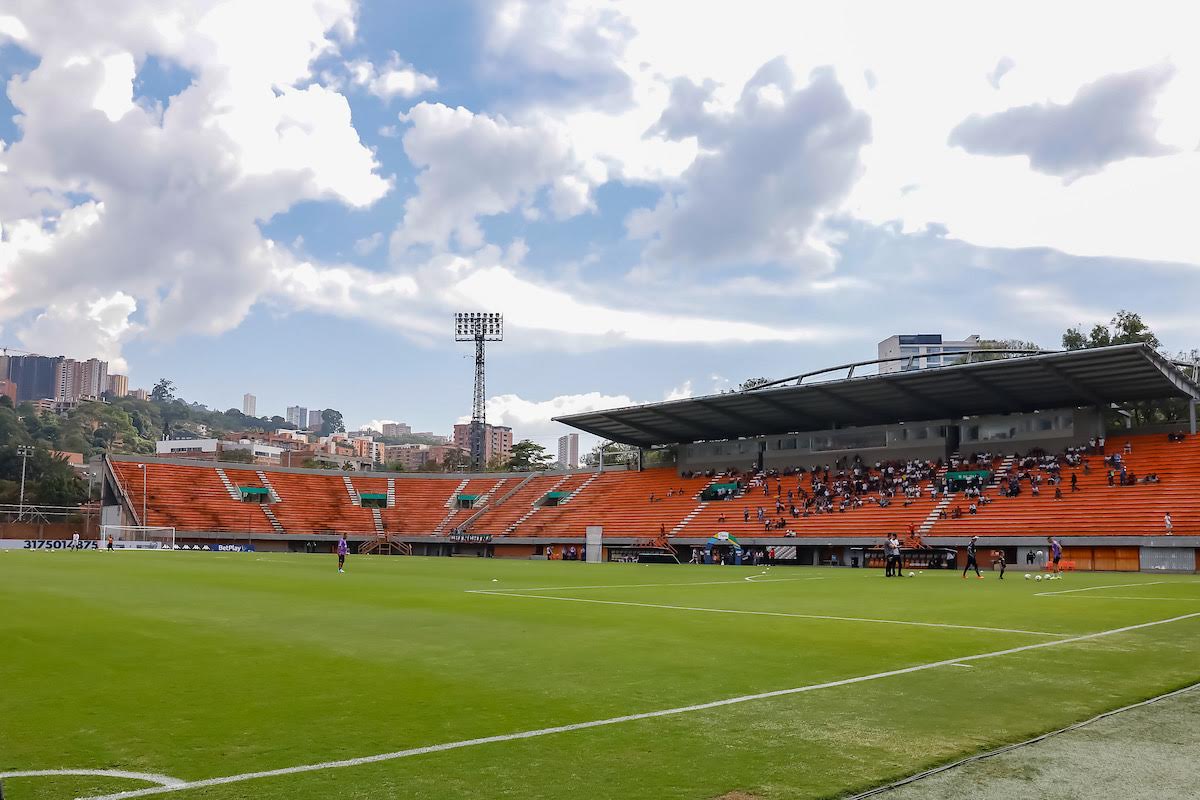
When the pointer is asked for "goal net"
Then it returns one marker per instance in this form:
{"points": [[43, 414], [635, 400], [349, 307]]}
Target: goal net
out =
{"points": [[138, 537]]}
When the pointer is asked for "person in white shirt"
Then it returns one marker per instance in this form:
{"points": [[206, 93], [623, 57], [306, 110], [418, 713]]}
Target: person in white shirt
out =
{"points": [[75, 540], [1168, 524]]}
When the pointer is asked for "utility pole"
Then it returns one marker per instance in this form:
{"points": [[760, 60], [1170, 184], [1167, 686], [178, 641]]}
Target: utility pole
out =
{"points": [[24, 451]]}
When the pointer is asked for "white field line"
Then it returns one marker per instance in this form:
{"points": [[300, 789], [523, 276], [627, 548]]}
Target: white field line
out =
{"points": [[1130, 597], [666, 712], [763, 613], [648, 585], [148, 777], [1097, 588]]}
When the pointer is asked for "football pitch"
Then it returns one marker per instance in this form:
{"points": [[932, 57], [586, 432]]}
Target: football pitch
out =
{"points": [[242, 675]]}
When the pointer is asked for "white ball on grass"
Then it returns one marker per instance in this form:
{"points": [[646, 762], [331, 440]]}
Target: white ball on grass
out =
{"points": [[1038, 578], [912, 574], [1028, 577]]}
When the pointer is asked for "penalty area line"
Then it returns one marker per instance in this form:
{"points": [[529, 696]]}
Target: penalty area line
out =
{"points": [[829, 617], [666, 712]]}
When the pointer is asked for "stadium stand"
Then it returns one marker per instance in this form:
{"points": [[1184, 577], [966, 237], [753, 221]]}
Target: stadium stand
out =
{"points": [[820, 502]]}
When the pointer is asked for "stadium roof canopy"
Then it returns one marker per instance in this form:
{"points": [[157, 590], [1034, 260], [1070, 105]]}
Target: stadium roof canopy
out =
{"points": [[1031, 382]]}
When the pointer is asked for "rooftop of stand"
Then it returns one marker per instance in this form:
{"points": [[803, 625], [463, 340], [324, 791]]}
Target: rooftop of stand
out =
{"points": [[1010, 384]]}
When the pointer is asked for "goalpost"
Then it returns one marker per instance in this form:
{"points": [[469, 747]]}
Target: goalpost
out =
{"points": [[138, 537]]}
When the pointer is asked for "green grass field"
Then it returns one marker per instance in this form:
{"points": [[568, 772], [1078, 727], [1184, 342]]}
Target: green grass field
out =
{"points": [[200, 665]]}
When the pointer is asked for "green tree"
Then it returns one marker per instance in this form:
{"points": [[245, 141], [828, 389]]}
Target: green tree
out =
{"points": [[331, 422], [455, 460], [528, 455], [752, 383], [163, 391], [238, 456], [1126, 327], [614, 453]]}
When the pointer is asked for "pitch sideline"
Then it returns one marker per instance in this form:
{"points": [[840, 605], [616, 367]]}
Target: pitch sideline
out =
{"points": [[870, 620], [508, 737]]}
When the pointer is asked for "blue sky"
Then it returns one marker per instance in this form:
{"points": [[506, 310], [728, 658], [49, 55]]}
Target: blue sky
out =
{"points": [[660, 205]]}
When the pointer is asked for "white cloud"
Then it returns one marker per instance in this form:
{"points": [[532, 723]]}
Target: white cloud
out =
{"points": [[541, 308], [172, 199], [84, 330], [475, 165], [368, 244], [12, 27], [394, 79], [1107, 120], [769, 170]]}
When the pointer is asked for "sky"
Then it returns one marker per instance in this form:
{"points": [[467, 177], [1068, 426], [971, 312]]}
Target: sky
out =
{"points": [[292, 197]]}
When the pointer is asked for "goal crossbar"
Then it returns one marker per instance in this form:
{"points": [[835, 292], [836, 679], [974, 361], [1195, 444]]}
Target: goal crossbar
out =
{"points": [[139, 536]]}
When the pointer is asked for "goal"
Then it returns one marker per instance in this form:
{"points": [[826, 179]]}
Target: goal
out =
{"points": [[138, 537]]}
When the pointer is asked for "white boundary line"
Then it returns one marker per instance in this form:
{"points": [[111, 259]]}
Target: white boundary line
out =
{"points": [[148, 777], [1130, 597], [649, 585], [666, 712], [764, 613], [1096, 588]]}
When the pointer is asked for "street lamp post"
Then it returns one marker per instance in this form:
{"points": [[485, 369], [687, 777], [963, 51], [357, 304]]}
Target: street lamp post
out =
{"points": [[24, 451], [142, 467]]}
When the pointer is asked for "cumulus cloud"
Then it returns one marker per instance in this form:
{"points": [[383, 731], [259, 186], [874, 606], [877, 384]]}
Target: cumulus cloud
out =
{"points": [[564, 50], [474, 165], [394, 79], [768, 171], [84, 330], [162, 204], [1108, 120]]}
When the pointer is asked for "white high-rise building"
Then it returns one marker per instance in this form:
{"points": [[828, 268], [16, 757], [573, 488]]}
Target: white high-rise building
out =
{"points": [[298, 416], [314, 419], [568, 451], [922, 350], [249, 405]]}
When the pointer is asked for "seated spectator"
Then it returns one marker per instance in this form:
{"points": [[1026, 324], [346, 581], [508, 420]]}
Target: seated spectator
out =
{"points": [[1058, 495]]}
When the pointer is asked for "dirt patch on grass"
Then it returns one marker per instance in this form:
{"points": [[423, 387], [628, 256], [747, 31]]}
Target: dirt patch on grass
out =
{"points": [[739, 796], [1145, 753]]}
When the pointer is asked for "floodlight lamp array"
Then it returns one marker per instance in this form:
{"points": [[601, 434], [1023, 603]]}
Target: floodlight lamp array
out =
{"points": [[472, 325]]}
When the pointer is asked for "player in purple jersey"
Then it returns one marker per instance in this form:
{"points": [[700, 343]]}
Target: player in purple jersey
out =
{"points": [[1055, 552], [342, 547]]}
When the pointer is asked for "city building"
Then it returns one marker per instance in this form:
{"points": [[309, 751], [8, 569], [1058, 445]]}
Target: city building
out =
{"points": [[298, 416], [8, 389], [186, 448], [249, 405], [74, 379], [314, 419], [139, 394], [396, 429], [924, 349], [497, 441], [118, 385], [568, 451], [34, 376]]}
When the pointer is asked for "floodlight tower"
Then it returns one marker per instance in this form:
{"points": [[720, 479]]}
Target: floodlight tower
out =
{"points": [[478, 327]]}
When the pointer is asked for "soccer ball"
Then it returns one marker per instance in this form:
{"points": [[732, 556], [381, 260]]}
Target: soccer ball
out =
{"points": [[1028, 577], [912, 574], [1038, 578], [1040, 553]]}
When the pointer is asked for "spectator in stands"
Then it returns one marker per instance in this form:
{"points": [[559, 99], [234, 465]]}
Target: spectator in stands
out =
{"points": [[1128, 448], [1111, 478], [1058, 495], [1074, 482], [745, 515], [1168, 524]]}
